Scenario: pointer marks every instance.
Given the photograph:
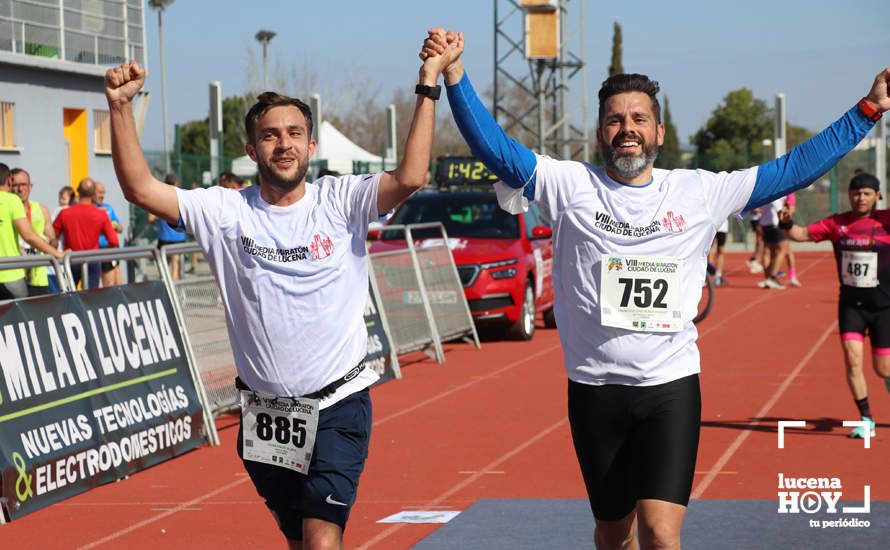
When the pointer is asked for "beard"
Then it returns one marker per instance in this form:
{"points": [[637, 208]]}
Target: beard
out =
{"points": [[269, 175], [628, 166]]}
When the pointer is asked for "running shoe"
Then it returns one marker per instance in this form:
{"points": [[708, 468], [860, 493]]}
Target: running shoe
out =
{"points": [[754, 266], [795, 282], [771, 282], [859, 432], [780, 274], [720, 281]]}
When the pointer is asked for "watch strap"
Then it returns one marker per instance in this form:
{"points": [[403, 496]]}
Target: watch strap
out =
{"points": [[869, 111], [432, 92]]}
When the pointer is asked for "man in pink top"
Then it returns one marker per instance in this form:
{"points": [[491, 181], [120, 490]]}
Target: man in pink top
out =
{"points": [[80, 226], [861, 239]]}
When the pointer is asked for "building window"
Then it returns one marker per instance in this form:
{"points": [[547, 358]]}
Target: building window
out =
{"points": [[7, 124], [102, 132]]}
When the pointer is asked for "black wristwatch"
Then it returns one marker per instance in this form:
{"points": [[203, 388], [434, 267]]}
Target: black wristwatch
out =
{"points": [[432, 92]]}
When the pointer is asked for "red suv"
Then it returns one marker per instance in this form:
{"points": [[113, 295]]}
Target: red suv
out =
{"points": [[504, 260]]}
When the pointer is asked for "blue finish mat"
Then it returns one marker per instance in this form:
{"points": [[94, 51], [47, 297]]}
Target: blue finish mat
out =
{"points": [[710, 525]]}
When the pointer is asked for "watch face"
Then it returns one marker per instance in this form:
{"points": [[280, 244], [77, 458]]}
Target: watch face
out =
{"points": [[462, 171]]}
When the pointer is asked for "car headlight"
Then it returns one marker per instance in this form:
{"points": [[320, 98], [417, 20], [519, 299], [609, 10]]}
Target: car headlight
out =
{"points": [[504, 273], [502, 263]]}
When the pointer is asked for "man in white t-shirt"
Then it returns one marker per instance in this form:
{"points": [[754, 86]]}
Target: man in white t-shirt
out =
{"points": [[292, 268], [629, 258]]}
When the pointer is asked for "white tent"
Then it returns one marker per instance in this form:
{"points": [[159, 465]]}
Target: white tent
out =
{"points": [[337, 149]]}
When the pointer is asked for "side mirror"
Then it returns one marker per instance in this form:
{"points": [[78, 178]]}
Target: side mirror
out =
{"points": [[542, 232]]}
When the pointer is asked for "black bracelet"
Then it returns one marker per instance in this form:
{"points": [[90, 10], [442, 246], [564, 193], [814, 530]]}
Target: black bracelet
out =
{"points": [[786, 226]]}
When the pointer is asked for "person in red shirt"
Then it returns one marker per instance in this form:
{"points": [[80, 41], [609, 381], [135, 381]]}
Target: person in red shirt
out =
{"points": [[861, 240], [80, 226]]}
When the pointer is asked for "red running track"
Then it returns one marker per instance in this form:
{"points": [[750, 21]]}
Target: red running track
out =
{"points": [[491, 423]]}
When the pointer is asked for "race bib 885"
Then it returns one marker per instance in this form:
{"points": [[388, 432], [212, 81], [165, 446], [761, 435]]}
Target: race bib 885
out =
{"points": [[279, 430]]}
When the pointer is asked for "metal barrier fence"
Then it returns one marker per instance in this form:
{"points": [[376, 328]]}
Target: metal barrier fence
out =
{"points": [[200, 302], [36, 260], [422, 293], [443, 287]]}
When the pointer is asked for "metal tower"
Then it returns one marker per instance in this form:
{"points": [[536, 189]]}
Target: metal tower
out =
{"points": [[542, 102]]}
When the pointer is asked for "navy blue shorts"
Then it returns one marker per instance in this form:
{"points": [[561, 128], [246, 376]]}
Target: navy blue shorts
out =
{"points": [[329, 491]]}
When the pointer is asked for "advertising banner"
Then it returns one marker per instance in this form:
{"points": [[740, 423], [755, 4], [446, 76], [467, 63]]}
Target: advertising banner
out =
{"points": [[95, 386], [379, 355]]}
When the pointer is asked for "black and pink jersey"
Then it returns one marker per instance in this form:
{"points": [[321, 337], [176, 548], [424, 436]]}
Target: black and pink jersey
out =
{"points": [[850, 233]]}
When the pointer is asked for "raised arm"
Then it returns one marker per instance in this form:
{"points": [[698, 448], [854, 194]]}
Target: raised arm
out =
{"points": [[794, 232], [411, 173], [812, 158], [139, 186], [511, 161]]}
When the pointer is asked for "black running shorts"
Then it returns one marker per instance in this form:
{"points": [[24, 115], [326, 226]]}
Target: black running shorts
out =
{"points": [[635, 442], [856, 318]]}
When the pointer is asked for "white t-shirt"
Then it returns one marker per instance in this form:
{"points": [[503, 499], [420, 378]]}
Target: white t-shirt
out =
{"points": [[677, 215], [294, 280], [770, 212]]}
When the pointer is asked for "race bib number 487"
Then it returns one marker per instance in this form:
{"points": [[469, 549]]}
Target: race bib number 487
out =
{"points": [[642, 293], [279, 430]]}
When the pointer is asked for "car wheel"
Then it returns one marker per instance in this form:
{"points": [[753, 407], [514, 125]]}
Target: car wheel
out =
{"points": [[524, 327], [549, 318]]}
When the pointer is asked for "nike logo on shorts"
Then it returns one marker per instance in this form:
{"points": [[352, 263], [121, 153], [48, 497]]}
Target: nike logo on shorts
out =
{"points": [[330, 500]]}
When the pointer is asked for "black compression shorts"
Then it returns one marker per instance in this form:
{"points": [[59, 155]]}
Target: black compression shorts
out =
{"points": [[772, 234], [854, 318], [721, 239], [635, 442]]}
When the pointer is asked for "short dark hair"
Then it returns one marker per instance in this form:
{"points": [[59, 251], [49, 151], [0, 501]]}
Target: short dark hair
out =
{"points": [[326, 172], [172, 179], [621, 83], [4, 173], [16, 171], [864, 180], [268, 100]]}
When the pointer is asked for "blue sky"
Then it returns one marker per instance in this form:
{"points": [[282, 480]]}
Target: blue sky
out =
{"points": [[822, 54]]}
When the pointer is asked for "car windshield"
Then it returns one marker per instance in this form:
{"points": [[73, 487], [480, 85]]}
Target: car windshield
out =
{"points": [[469, 216]]}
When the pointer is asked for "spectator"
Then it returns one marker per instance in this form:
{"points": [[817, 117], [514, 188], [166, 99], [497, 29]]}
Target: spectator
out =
{"points": [[66, 194], [80, 226], [38, 217], [111, 271], [231, 181], [13, 220], [167, 234]]}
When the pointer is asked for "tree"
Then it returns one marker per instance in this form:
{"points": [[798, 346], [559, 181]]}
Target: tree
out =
{"points": [[669, 157], [194, 136], [616, 67], [733, 136]]}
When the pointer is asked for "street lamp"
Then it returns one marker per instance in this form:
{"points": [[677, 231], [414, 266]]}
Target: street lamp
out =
{"points": [[264, 37], [160, 6]]}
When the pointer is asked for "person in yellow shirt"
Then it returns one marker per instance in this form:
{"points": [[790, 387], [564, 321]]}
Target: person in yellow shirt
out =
{"points": [[14, 223], [38, 216]]}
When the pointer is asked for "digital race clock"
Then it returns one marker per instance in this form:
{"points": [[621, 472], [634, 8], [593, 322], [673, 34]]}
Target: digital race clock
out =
{"points": [[462, 171]]}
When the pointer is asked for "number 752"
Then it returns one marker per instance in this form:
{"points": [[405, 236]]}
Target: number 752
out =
{"points": [[641, 290]]}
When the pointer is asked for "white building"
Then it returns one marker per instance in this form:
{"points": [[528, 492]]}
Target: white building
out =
{"points": [[53, 114]]}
